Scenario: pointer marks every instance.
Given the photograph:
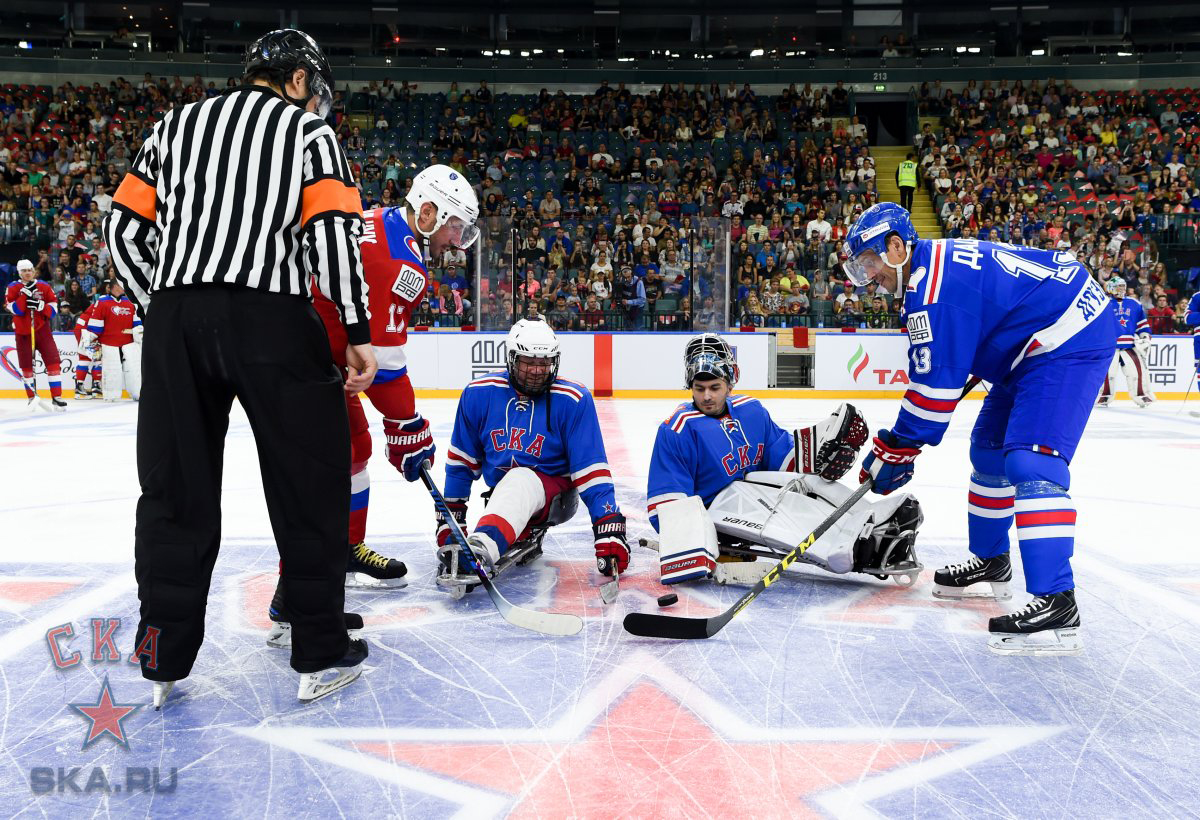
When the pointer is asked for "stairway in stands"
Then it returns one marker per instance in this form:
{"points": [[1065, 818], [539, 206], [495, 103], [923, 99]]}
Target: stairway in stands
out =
{"points": [[887, 158]]}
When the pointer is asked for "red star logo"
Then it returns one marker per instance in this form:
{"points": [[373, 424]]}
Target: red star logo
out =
{"points": [[17, 594], [645, 742], [106, 716]]}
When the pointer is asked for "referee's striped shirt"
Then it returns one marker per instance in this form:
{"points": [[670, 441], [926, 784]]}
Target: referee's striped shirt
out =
{"points": [[245, 189]]}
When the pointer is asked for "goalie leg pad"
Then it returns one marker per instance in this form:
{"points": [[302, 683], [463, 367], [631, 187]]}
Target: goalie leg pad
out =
{"points": [[1137, 377], [112, 381], [131, 368], [687, 541]]}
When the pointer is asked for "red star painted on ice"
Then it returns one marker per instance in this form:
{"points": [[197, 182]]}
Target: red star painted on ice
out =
{"points": [[645, 742], [20, 593], [106, 716], [649, 756]]}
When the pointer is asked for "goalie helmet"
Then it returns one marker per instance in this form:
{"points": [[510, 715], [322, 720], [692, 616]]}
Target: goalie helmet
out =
{"points": [[455, 200], [531, 338], [709, 354], [1116, 287]]}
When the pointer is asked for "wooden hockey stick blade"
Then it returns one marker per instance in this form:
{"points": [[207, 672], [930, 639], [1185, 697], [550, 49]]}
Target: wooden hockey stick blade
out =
{"points": [[547, 623], [651, 625]]}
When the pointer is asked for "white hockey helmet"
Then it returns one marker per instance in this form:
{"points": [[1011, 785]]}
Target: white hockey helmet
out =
{"points": [[455, 199], [1116, 287], [535, 339]]}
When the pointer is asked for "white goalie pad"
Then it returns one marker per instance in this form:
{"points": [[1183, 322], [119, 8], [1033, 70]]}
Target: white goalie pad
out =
{"points": [[777, 509], [122, 371], [687, 548]]}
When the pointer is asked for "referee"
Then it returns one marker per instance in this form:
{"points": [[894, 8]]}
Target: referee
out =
{"points": [[232, 206]]}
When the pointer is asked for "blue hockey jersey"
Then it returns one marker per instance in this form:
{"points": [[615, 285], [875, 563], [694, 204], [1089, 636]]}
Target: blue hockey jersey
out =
{"points": [[1131, 320], [556, 433], [1192, 318], [981, 308], [695, 454]]}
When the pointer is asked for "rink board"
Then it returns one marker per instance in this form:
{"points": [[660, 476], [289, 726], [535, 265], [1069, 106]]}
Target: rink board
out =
{"points": [[827, 697], [650, 365]]}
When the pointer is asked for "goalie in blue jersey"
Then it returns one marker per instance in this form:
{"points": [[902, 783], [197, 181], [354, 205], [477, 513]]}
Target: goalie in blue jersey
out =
{"points": [[1036, 326], [728, 485]]}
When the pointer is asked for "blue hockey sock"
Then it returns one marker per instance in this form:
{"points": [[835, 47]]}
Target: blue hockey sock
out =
{"points": [[989, 504], [1045, 516]]}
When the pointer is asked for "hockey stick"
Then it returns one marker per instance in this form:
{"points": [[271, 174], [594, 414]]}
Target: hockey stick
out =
{"points": [[611, 589], [547, 623], [653, 625]]}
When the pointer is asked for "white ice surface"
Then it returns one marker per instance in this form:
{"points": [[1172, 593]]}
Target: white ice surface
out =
{"points": [[828, 696]]}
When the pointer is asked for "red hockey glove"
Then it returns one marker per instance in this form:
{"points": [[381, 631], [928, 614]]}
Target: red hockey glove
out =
{"points": [[409, 445], [890, 462], [611, 547], [458, 509]]}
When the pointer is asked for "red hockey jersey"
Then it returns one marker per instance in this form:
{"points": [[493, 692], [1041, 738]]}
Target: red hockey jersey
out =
{"points": [[16, 303]]}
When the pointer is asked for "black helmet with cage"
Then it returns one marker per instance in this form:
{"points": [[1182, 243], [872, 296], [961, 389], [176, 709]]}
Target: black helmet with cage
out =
{"points": [[709, 355], [276, 54]]}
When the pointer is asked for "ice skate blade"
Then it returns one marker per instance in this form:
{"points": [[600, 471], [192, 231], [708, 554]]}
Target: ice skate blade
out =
{"points": [[1061, 642], [360, 580], [161, 690], [979, 591], [453, 587], [316, 685]]}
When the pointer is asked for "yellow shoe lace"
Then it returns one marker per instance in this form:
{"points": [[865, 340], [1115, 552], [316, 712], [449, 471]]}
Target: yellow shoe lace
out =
{"points": [[366, 555]]}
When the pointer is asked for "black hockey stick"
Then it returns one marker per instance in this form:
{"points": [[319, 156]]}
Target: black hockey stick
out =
{"points": [[653, 625], [547, 623]]}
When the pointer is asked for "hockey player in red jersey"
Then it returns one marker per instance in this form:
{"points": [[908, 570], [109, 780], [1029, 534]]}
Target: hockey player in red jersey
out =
{"points": [[87, 360], [115, 327], [33, 304], [441, 213]]}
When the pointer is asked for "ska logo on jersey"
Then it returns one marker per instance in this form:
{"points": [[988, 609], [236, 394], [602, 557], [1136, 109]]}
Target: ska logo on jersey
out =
{"points": [[512, 440], [410, 282]]}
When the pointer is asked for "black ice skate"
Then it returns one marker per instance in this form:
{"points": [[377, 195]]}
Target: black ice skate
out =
{"points": [[1047, 625], [367, 569], [81, 393], [280, 634], [58, 404], [977, 578]]}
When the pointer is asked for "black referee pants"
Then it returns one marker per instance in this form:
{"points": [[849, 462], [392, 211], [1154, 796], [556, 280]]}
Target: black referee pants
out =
{"points": [[204, 346], [906, 197]]}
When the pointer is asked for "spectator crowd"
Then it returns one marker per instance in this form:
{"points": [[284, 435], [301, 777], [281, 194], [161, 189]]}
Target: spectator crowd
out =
{"points": [[618, 209]]}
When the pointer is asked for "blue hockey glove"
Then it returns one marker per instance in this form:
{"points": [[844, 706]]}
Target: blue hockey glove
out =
{"points": [[890, 462]]}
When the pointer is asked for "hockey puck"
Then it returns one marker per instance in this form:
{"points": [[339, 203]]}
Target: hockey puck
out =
{"points": [[668, 599]]}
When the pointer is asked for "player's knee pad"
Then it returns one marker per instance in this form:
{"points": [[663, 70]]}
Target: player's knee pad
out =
{"points": [[1034, 473], [987, 461], [562, 508], [687, 546]]}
